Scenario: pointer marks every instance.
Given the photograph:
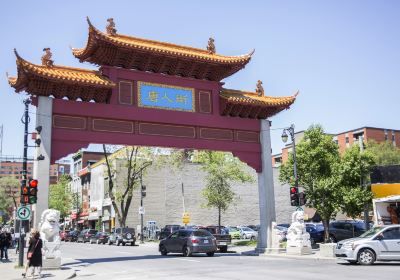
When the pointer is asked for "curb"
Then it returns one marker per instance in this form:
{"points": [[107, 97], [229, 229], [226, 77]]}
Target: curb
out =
{"points": [[285, 256]]}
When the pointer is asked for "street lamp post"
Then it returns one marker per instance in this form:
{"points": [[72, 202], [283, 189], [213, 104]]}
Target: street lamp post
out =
{"points": [[290, 131]]}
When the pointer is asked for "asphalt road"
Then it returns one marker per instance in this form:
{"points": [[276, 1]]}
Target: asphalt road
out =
{"points": [[92, 261]]}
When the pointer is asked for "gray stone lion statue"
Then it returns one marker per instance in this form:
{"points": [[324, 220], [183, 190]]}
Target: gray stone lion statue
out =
{"points": [[49, 233]]}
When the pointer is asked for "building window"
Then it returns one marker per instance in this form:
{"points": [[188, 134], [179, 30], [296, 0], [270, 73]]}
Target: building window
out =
{"points": [[347, 139], [386, 135]]}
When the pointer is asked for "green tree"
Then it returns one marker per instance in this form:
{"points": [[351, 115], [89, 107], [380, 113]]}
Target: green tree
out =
{"points": [[130, 162], [384, 153], [317, 159], [59, 196], [222, 169], [354, 186], [10, 190]]}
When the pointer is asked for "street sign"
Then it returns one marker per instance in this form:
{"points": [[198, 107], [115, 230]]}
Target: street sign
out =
{"points": [[141, 210], [186, 218], [23, 213]]}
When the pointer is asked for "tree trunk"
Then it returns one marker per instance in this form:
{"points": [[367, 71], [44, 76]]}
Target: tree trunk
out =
{"points": [[325, 222]]}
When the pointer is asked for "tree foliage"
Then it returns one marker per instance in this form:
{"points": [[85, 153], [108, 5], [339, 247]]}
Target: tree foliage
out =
{"points": [[317, 155], [384, 153], [130, 162], [222, 169], [59, 196]]}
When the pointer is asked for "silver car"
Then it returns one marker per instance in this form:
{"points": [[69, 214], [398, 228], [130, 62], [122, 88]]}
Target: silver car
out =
{"points": [[380, 243], [247, 233]]}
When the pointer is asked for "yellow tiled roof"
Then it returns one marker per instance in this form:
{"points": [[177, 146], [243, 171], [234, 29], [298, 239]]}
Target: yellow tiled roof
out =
{"points": [[161, 48], [62, 73], [246, 97]]}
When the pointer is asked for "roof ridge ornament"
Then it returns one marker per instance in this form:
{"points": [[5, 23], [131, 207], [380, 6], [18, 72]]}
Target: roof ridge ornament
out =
{"points": [[110, 28], [46, 58], [259, 88], [211, 46]]}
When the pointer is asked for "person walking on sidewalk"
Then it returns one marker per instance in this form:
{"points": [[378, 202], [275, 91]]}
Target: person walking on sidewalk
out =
{"points": [[5, 243], [34, 255]]}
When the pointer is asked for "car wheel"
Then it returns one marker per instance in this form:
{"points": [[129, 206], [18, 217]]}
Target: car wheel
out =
{"points": [[186, 251], [244, 236], [252, 238], [109, 242], [97, 241], [163, 250], [133, 243], [123, 243], [118, 243], [223, 249], [210, 254], [366, 257]]}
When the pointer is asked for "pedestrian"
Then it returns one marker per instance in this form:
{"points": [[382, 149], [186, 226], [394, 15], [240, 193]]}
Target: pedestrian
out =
{"points": [[34, 255], [5, 242]]}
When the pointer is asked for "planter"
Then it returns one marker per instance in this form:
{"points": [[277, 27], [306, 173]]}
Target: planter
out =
{"points": [[327, 250]]}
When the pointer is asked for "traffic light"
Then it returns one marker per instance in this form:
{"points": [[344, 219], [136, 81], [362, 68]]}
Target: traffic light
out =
{"points": [[294, 196], [24, 199], [143, 191], [33, 189], [302, 198]]}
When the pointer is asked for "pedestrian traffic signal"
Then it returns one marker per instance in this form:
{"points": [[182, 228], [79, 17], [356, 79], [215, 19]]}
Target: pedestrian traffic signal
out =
{"points": [[143, 191], [33, 189], [294, 196], [25, 199], [302, 199]]}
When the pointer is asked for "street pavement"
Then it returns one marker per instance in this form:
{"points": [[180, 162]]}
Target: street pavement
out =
{"points": [[92, 261]]}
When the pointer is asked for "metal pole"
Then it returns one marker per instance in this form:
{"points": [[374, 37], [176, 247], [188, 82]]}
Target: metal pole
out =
{"points": [[292, 136], [141, 205], [366, 212], [25, 121]]}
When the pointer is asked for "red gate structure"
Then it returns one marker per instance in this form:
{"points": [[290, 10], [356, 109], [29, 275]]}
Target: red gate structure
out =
{"points": [[150, 93]]}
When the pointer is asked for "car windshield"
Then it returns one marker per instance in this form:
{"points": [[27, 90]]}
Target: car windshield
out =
{"points": [[246, 229], [371, 232], [92, 231], [233, 229], [127, 230]]}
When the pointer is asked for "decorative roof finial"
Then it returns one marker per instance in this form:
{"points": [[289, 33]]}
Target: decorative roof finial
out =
{"points": [[211, 46], [259, 88], [111, 30], [46, 58]]}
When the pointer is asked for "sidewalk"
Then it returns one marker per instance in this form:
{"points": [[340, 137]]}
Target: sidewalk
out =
{"points": [[9, 270], [315, 256]]}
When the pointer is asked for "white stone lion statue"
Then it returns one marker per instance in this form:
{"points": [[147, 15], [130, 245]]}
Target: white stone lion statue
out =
{"points": [[49, 233], [297, 236]]}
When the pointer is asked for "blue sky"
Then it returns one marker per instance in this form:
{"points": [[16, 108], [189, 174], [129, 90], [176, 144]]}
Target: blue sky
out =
{"points": [[342, 55]]}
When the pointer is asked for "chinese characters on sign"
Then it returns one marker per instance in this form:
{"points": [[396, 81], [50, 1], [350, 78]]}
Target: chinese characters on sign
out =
{"points": [[166, 97]]}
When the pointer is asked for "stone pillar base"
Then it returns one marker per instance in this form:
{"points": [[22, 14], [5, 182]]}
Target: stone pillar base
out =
{"points": [[48, 264], [298, 251]]}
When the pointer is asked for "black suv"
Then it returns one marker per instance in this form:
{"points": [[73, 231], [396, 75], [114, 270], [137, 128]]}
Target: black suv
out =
{"points": [[340, 230], [122, 236]]}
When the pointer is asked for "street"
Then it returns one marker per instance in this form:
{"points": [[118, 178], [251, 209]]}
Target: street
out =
{"points": [[92, 261]]}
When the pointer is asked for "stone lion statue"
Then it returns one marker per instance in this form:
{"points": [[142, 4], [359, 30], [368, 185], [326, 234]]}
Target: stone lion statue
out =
{"points": [[49, 233], [297, 236]]}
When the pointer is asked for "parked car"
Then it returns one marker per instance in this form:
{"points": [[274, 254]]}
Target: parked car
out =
{"points": [[167, 230], [72, 236], [122, 236], [189, 241], [99, 238], [316, 232], [254, 227], [282, 233], [63, 234], [340, 230], [85, 235], [234, 232], [247, 233], [380, 243], [222, 236]]}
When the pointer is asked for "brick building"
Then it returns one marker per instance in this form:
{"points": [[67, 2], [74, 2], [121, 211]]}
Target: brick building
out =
{"points": [[345, 140], [13, 168]]}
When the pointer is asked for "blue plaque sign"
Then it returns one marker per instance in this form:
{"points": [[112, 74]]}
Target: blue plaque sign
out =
{"points": [[165, 97]]}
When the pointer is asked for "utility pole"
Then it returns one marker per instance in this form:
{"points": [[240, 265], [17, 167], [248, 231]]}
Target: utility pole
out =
{"points": [[25, 120], [363, 185], [141, 207]]}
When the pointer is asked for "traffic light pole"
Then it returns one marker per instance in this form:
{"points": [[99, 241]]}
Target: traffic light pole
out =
{"points": [[141, 205], [25, 120]]}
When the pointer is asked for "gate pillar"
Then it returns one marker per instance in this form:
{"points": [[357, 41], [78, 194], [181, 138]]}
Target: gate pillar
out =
{"points": [[41, 169], [265, 190]]}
